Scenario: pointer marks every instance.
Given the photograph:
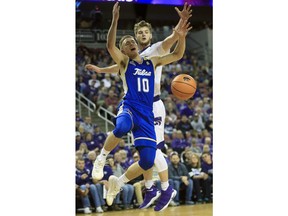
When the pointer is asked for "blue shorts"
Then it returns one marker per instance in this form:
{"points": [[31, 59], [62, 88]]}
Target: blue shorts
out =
{"points": [[142, 118]]}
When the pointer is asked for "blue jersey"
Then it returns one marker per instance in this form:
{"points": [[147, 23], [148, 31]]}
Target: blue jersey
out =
{"points": [[138, 82]]}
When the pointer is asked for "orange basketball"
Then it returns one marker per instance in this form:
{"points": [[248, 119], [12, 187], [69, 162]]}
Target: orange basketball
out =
{"points": [[183, 86]]}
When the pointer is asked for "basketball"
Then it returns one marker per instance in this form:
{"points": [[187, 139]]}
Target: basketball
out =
{"points": [[183, 86]]}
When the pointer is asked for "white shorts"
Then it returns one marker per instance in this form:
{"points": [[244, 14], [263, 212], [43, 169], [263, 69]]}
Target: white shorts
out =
{"points": [[159, 120]]}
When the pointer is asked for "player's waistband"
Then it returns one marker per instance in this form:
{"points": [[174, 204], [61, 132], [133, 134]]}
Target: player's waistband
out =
{"points": [[156, 98]]}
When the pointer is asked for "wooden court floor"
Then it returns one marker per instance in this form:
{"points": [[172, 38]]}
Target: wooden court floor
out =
{"points": [[182, 210]]}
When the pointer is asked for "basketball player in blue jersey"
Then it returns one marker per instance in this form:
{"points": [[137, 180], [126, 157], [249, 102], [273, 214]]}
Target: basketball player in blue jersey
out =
{"points": [[143, 34], [136, 110]]}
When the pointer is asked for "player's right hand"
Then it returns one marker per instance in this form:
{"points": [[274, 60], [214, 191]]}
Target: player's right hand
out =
{"points": [[92, 68]]}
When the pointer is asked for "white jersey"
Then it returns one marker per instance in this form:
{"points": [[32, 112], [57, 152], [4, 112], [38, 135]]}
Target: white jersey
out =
{"points": [[155, 50]]}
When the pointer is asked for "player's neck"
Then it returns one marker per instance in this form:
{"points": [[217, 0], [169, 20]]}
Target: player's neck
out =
{"points": [[138, 59], [143, 46]]}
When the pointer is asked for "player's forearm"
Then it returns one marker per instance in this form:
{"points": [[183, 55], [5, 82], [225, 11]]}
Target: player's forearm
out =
{"points": [[111, 37], [169, 41], [180, 48], [111, 69]]}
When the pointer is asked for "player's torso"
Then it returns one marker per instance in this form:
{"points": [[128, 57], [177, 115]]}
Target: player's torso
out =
{"points": [[138, 82], [154, 50]]}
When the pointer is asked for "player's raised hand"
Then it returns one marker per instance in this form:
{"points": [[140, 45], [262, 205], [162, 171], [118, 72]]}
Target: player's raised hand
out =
{"points": [[183, 28], [115, 12], [186, 13]]}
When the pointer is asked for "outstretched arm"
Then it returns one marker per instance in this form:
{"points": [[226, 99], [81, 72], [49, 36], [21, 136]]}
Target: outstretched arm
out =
{"points": [[111, 69], [115, 53], [185, 14], [178, 52]]}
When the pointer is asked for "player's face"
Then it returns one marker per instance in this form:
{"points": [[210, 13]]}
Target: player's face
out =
{"points": [[143, 36], [129, 47]]}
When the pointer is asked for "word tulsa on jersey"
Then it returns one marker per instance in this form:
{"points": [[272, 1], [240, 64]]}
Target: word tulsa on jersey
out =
{"points": [[142, 72]]}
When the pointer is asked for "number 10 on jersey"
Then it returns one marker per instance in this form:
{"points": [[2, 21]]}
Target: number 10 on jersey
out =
{"points": [[143, 84]]}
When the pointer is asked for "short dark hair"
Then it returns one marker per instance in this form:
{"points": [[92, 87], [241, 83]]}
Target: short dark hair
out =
{"points": [[122, 39]]}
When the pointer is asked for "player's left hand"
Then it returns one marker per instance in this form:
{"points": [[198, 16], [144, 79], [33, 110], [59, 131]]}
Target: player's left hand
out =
{"points": [[115, 11], [186, 13], [183, 28]]}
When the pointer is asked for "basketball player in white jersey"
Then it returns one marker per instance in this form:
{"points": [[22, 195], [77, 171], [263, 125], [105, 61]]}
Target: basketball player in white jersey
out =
{"points": [[143, 34]]}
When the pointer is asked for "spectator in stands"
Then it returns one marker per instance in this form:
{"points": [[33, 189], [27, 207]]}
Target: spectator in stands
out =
{"points": [[138, 183], [107, 82], [91, 157], [207, 165], [184, 125], [94, 81], [87, 125], [122, 146], [188, 137], [208, 142], [197, 123], [180, 178], [91, 144], [83, 148], [78, 140], [127, 190], [125, 160], [82, 191], [99, 137], [209, 123], [84, 181], [111, 102], [195, 148], [200, 179], [78, 117], [179, 143], [168, 126]]}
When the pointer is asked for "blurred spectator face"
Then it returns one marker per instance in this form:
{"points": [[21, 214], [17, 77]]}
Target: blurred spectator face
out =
{"points": [[122, 143], [207, 140], [111, 93], [80, 164], [174, 134], [194, 159], [94, 76], [83, 147], [179, 134], [175, 159], [194, 142], [117, 157], [81, 130], [110, 161], [169, 151], [207, 158], [87, 120], [79, 154], [88, 137], [96, 129], [91, 155], [184, 118], [123, 154], [136, 157], [206, 133], [206, 148], [188, 155], [78, 138]]}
